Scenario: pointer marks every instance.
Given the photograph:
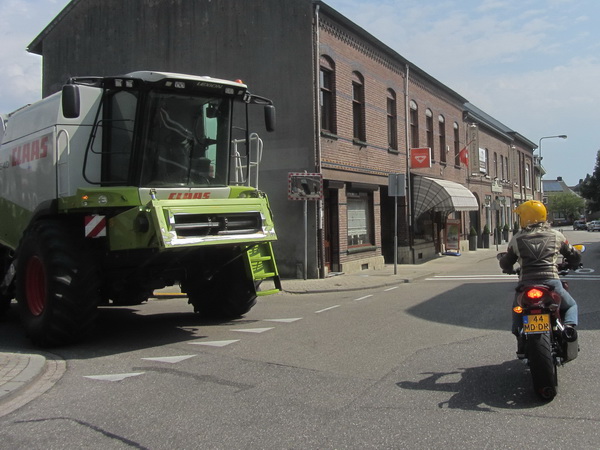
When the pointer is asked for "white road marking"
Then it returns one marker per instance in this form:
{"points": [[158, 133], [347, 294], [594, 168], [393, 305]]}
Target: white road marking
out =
{"points": [[214, 343], [170, 359], [362, 298], [390, 289], [253, 330], [327, 309], [283, 320], [114, 377]]}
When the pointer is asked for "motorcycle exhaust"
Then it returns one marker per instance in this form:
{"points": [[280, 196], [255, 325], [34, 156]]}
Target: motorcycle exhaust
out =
{"points": [[570, 346]]}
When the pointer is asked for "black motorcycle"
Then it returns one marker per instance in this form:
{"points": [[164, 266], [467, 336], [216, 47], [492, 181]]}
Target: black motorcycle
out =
{"points": [[545, 342]]}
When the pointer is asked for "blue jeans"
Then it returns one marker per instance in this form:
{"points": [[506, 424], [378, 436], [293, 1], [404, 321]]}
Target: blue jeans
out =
{"points": [[568, 306]]}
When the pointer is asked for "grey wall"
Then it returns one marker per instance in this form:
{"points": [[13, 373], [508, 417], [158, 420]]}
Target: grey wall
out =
{"points": [[266, 43]]}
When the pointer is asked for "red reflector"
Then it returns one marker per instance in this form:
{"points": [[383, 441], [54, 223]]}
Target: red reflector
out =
{"points": [[534, 293]]}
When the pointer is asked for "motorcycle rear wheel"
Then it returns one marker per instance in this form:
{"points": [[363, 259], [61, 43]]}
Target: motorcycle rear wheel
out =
{"points": [[542, 366]]}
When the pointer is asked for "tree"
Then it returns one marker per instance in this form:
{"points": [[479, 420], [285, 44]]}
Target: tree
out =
{"points": [[590, 187], [567, 204]]}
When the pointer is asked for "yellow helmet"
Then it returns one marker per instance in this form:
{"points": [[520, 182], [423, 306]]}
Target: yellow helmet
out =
{"points": [[531, 212]]}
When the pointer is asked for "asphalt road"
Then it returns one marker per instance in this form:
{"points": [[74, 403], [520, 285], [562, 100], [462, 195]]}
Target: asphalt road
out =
{"points": [[418, 365]]}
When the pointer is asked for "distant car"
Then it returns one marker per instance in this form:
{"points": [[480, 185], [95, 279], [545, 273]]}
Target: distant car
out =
{"points": [[594, 225], [579, 225]]}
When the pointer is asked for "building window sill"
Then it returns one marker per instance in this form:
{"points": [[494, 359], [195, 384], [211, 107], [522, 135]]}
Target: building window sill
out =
{"points": [[365, 248], [329, 135], [359, 142]]}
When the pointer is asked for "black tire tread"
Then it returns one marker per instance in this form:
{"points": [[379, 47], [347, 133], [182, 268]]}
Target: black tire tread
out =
{"points": [[72, 285]]}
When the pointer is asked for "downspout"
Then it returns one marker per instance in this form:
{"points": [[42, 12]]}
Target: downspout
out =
{"points": [[408, 180], [317, 59]]}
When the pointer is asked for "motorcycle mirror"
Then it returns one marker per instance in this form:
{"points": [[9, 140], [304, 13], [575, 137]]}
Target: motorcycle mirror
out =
{"points": [[579, 247]]}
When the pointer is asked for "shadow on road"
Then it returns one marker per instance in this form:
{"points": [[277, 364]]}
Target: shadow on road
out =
{"points": [[488, 306], [506, 386], [117, 330]]}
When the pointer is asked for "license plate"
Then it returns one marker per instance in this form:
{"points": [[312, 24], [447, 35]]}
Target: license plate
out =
{"points": [[536, 323]]}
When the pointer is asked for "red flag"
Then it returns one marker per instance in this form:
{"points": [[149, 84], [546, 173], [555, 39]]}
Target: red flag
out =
{"points": [[463, 156]]}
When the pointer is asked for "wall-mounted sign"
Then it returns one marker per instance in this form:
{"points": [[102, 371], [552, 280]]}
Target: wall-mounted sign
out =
{"points": [[420, 158]]}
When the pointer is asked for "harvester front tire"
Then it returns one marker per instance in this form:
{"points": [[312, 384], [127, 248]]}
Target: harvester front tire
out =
{"points": [[57, 287], [228, 295]]}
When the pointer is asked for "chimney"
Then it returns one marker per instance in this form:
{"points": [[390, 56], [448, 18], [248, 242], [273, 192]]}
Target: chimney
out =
{"points": [[558, 178]]}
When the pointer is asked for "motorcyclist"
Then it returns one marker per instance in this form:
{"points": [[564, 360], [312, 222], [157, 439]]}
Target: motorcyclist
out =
{"points": [[537, 247]]}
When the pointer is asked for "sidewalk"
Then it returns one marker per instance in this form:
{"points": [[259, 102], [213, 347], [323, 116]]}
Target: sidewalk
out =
{"points": [[18, 371], [405, 273]]}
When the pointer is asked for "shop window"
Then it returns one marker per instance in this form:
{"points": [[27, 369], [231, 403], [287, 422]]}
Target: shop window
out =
{"points": [[423, 229], [360, 219], [327, 94], [392, 120]]}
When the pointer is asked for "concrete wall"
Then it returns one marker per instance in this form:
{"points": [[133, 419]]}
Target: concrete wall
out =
{"points": [[266, 43]]}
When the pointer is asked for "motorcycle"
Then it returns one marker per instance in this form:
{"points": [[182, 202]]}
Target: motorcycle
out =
{"points": [[545, 341]]}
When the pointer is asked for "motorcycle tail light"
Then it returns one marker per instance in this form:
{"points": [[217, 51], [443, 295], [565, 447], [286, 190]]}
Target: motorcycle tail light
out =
{"points": [[534, 294]]}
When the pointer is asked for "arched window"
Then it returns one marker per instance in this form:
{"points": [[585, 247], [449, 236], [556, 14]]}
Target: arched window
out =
{"points": [[429, 130], [457, 148], [414, 125], [327, 94], [442, 135], [392, 120], [358, 107]]}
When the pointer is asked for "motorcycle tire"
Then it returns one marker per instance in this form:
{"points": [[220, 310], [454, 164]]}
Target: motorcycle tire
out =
{"points": [[542, 366]]}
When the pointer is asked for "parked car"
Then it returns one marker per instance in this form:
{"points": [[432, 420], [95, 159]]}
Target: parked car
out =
{"points": [[594, 225], [579, 225]]}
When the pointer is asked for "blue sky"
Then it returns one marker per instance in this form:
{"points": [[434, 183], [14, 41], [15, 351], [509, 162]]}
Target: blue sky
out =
{"points": [[532, 64]]}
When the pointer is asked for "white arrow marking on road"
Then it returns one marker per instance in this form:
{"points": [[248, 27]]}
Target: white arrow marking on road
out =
{"points": [[253, 330], [283, 320], [170, 359], [214, 343], [114, 377], [327, 309], [362, 298]]}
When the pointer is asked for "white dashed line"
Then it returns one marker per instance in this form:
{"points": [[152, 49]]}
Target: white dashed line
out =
{"points": [[253, 330], [170, 359], [114, 377], [362, 298], [283, 320], [214, 343], [390, 289], [327, 309]]}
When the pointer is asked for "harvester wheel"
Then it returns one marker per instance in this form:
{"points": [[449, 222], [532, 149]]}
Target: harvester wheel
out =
{"points": [[57, 287], [227, 295]]}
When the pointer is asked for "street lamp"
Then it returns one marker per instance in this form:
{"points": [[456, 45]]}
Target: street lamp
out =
{"points": [[560, 136]]}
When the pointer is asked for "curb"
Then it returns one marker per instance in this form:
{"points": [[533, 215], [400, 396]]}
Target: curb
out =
{"points": [[18, 372]]}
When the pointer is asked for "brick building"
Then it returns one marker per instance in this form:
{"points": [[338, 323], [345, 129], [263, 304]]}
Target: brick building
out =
{"points": [[349, 108]]}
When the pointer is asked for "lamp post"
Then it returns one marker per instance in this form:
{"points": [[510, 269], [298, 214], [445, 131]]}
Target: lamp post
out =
{"points": [[560, 136]]}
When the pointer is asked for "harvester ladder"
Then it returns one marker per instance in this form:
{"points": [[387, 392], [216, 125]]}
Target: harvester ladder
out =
{"points": [[263, 266]]}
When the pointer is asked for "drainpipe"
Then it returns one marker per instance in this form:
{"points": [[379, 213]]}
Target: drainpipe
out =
{"points": [[408, 184], [317, 60]]}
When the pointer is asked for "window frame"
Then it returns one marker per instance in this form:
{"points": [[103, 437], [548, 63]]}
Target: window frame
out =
{"points": [[392, 120], [328, 118], [358, 108]]}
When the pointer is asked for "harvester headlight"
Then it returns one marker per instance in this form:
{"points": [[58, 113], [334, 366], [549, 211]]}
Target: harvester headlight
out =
{"points": [[102, 199]]}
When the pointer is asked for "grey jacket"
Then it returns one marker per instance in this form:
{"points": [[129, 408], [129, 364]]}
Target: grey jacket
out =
{"points": [[537, 249]]}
